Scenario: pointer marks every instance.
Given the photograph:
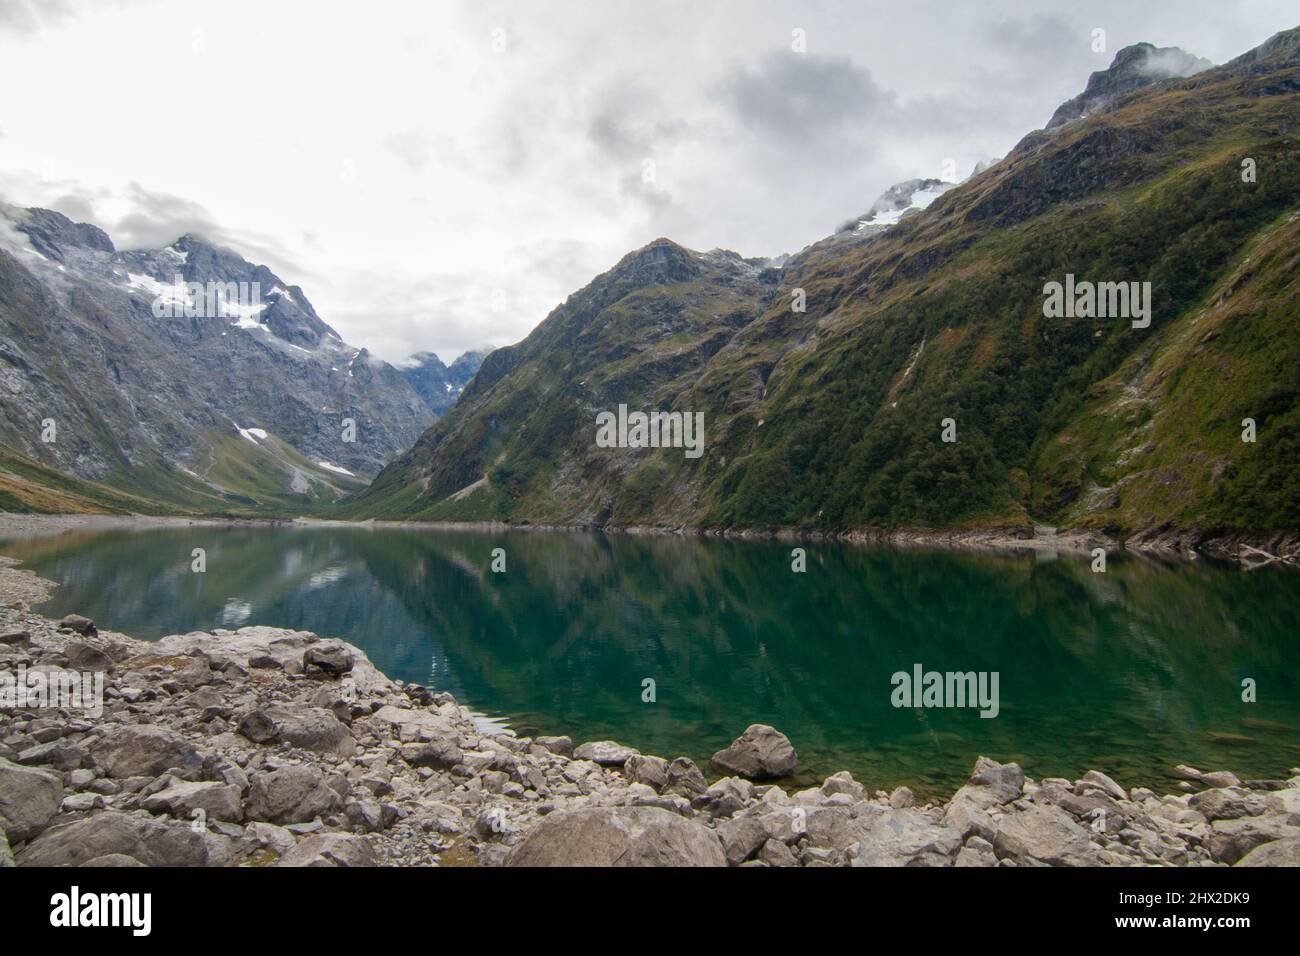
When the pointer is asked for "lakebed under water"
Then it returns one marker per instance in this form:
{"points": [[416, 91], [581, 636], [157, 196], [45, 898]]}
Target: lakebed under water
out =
{"points": [[1131, 671]]}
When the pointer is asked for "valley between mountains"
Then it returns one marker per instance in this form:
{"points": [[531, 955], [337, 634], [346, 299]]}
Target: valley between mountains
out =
{"points": [[826, 418]]}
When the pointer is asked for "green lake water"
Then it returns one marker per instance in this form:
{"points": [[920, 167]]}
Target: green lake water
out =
{"points": [[1131, 671]]}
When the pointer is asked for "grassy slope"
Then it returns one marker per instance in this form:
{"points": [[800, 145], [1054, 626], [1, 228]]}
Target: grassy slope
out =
{"points": [[1162, 437], [28, 486], [241, 479]]}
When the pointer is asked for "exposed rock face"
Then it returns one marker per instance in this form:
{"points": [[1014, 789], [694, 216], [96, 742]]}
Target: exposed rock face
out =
{"points": [[908, 196], [1134, 67], [606, 836], [759, 753]]}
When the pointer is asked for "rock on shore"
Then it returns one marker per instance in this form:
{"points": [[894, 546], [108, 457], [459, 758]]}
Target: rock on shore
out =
{"points": [[265, 746]]}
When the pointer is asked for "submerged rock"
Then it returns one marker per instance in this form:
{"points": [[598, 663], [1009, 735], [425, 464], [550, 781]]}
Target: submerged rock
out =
{"points": [[607, 753]]}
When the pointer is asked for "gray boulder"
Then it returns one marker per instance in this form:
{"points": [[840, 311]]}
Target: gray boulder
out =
{"points": [[992, 783], [1227, 803], [556, 745], [16, 638], [180, 798], [976, 852], [82, 625], [85, 656], [761, 752], [1044, 833], [329, 660], [830, 828], [143, 750], [906, 837], [1285, 852], [607, 753], [618, 836], [652, 771], [146, 839], [331, 849], [29, 799], [741, 837], [311, 728], [292, 794], [1231, 840], [1096, 780], [684, 777], [968, 819], [438, 754]]}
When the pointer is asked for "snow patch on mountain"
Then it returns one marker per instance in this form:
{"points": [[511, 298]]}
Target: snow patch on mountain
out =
{"points": [[897, 201]]}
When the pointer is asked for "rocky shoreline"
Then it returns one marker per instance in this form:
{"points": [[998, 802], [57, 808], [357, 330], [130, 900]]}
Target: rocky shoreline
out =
{"points": [[265, 746], [1249, 550]]}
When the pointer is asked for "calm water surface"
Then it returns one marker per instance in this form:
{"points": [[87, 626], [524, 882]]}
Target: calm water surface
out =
{"points": [[1131, 671]]}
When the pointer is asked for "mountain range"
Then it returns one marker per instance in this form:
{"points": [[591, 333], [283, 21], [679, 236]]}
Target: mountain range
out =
{"points": [[905, 372], [126, 385], [438, 384]]}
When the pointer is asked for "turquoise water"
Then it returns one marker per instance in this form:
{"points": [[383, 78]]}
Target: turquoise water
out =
{"points": [[1131, 671]]}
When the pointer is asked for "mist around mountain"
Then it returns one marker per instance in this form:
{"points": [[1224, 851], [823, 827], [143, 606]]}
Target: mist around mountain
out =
{"points": [[908, 371]]}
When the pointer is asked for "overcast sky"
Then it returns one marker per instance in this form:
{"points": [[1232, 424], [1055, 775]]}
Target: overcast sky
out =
{"points": [[440, 175]]}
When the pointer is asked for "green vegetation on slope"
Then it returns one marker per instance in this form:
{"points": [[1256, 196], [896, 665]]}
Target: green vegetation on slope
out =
{"points": [[831, 418]]}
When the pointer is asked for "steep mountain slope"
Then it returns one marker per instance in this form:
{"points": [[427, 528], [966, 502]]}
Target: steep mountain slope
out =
{"points": [[239, 400], [832, 418], [640, 333], [438, 384]]}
